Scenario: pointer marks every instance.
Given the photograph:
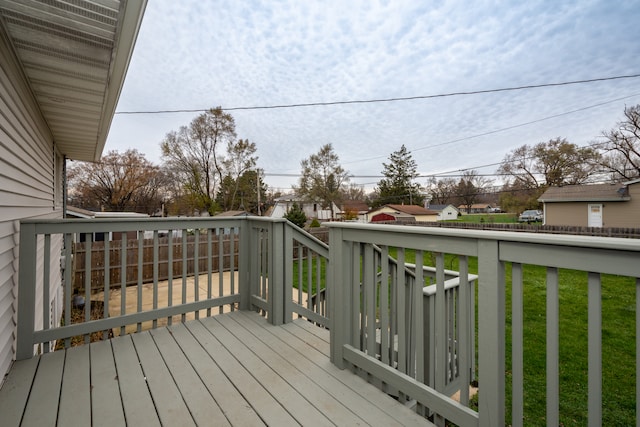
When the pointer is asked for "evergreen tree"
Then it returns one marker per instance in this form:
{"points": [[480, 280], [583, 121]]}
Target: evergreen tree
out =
{"points": [[296, 215], [397, 186]]}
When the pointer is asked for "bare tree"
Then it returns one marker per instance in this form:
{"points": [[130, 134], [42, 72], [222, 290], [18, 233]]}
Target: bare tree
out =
{"points": [[442, 191], [354, 192], [240, 161], [470, 187], [323, 179], [622, 147], [193, 153], [556, 162], [119, 182]]}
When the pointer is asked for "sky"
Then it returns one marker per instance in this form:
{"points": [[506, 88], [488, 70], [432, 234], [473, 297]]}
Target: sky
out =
{"points": [[199, 54]]}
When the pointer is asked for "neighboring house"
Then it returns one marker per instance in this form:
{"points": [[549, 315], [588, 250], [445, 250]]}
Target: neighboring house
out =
{"points": [[349, 208], [62, 68], [476, 208], [445, 212], [310, 209], [596, 205], [419, 213]]}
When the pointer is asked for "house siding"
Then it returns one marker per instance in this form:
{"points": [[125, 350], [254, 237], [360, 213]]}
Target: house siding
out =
{"points": [[624, 214], [310, 209], [449, 212], [28, 170], [569, 213]]}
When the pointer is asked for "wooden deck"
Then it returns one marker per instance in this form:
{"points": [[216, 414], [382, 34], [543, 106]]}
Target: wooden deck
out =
{"points": [[230, 369]]}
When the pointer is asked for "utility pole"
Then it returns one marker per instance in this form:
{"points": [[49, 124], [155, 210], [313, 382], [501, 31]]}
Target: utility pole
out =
{"points": [[258, 188]]}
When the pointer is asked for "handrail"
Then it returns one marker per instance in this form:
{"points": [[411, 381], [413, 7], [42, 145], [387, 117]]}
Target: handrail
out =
{"points": [[258, 247], [357, 278]]}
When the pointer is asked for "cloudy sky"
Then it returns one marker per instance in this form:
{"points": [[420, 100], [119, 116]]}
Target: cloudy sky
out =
{"points": [[198, 54]]}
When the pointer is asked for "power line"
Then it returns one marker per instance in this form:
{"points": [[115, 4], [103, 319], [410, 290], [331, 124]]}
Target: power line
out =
{"points": [[491, 132], [396, 99]]}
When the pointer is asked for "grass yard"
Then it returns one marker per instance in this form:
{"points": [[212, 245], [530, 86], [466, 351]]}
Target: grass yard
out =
{"points": [[618, 348], [494, 218], [310, 272]]}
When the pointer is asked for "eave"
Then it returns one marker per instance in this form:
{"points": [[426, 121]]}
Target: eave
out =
{"points": [[74, 58]]}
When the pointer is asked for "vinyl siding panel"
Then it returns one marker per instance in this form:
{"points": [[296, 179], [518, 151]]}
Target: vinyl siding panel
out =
{"points": [[571, 213], [27, 189], [625, 214], [7, 320]]}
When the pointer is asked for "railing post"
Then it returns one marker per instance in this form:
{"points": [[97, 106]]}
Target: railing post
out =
{"points": [[276, 278], [244, 275], [491, 334], [26, 290], [287, 278], [338, 295]]}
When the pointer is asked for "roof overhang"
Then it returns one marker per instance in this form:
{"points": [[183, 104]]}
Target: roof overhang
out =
{"points": [[74, 57], [587, 199]]}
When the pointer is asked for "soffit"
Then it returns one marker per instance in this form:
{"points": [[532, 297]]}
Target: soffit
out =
{"points": [[74, 55]]}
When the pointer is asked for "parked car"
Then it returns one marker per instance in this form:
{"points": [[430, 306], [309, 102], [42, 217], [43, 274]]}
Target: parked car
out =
{"points": [[530, 216]]}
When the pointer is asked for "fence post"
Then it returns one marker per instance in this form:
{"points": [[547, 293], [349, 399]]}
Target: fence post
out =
{"points": [[491, 334], [26, 290]]}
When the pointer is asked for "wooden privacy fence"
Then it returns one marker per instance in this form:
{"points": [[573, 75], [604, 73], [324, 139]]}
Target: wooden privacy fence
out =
{"points": [[216, 251]]}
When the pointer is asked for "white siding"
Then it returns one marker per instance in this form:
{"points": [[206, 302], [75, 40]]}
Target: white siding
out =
{"points": [[27, 177]]}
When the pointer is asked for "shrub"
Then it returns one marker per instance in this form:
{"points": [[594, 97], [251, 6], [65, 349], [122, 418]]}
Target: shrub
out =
{"points": [[296, 215]]}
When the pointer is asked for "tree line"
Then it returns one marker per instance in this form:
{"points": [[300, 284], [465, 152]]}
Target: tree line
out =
{"points": [[207, 169]]}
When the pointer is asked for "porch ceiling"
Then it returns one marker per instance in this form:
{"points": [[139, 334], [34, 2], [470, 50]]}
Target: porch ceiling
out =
{"points": [[74, 55]]}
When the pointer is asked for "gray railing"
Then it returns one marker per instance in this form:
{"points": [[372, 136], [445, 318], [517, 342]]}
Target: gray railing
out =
{"points": [[411, 341], [264, 248], [458, 361], [380, 309]]}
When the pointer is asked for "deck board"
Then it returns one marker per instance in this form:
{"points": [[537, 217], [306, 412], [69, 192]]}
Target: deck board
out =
{"points": [[322, 401], [227, 396], [276, 386], [136, 400], [42, 408], [15, 391], [75, 396], [317, 367], [230, 369], [268, 408], [171, 407], [202, 406], [106, 403]]}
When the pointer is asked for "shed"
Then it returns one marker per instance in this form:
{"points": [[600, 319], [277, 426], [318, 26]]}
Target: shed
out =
{"points": [[445, 212], [594, 205]]}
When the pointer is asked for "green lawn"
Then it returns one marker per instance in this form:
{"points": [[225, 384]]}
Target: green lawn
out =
{"points": [[304, 274], [494, 218], [618, 348]]}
